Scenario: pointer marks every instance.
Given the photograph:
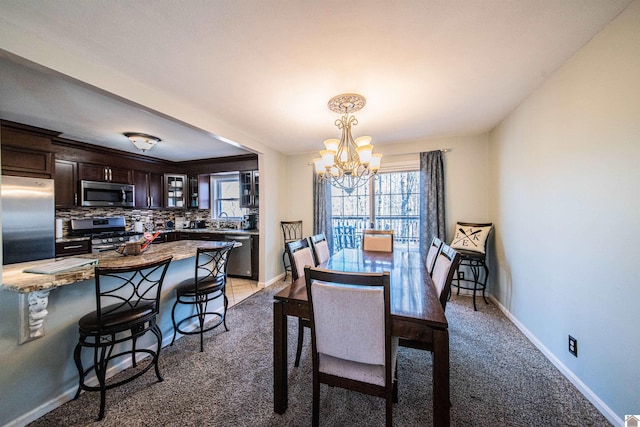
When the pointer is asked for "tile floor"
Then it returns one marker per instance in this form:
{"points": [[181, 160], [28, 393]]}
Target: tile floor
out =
{"points": [[239, 289]]}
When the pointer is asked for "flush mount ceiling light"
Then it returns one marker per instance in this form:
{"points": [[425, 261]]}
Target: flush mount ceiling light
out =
{"points": [[142, 141], [346, 163]]}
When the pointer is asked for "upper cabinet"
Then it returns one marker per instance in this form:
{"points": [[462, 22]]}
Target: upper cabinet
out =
{"points": [[176, 189], [249, 189], [66, 184], [93, 172], [204, 187], [26, 154], [199, 191], [148, 189]]}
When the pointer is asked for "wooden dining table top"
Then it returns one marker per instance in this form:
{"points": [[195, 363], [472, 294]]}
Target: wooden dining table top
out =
{"points": [[413, 296]]}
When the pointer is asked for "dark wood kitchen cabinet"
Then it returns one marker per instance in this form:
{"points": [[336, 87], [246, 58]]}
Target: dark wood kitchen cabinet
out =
{"points": [[66, 183], [148, 189], [26, 154], [199, 191], [93, 172], [249, 189], [76, 247]]}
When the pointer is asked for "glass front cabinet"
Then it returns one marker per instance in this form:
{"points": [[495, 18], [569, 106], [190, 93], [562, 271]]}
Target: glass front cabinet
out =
{"points": [[249, 189], [176, 190]]}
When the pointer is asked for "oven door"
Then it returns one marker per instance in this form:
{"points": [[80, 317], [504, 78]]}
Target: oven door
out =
{"points": [[94, 193]]}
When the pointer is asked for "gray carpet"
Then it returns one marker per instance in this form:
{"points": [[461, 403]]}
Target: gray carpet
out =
{"points": [[498, 378]]}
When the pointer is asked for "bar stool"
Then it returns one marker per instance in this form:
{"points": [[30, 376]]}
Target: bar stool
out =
{"points": [[291, 231], [208, 284], [470, 241], [127, 303]]}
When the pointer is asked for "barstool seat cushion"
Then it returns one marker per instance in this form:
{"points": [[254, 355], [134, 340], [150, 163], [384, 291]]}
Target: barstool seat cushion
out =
{"points": [[124, 315], [188, 287]]}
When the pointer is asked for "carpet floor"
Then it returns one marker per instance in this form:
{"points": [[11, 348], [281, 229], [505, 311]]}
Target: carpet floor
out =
{"points": [[498, 378]]}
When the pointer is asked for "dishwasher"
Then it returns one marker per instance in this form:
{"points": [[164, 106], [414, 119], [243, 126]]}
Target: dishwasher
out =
{"points": [[240, 257]]}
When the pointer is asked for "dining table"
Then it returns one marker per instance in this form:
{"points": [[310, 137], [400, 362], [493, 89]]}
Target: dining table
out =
{"points": [[416, 314]]}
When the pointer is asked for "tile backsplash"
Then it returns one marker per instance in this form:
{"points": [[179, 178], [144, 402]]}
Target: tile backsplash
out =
{"points": [[152, 219]]}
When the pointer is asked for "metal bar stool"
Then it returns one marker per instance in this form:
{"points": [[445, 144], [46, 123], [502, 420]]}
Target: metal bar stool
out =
{"points": [[291, 231], [208, 284], [127, 303], [470, 241]]}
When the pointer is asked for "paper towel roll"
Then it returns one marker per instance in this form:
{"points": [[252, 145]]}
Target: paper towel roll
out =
{"points": [[59, 228]]}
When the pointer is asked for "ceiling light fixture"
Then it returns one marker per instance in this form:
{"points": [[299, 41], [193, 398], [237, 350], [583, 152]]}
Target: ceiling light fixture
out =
{"points": [[346, 163], [142, 141]]}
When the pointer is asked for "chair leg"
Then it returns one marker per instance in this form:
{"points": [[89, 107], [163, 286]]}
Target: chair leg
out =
{"points": [[201, 310], [476, 273], [101, 374], [284, 264], [76, 357], [156, 357], [486, 279], [389, 410], [300, 339], [315, 412], [173, 320], [224, 316]]}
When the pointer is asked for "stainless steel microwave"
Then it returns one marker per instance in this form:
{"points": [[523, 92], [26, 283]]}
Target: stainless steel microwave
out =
{"points": [[95, 193]]}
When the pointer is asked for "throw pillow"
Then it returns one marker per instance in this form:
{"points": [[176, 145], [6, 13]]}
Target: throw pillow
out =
{"points": [[470, 238]]}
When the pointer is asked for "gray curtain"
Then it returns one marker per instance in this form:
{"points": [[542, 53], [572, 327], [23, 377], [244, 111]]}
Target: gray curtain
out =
{"points": [[322, 209], [432, 218]]}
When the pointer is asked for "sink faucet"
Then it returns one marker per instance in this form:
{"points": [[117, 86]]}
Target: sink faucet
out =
{"points": [[222, 224]]}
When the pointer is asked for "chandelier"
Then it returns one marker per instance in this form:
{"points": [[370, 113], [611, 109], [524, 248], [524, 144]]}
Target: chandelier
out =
{"points": [[347, 163]]}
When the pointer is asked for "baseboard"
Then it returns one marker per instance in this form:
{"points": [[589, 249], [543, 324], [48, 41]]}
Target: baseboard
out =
{"points": [[272, 281], [582, 387]]}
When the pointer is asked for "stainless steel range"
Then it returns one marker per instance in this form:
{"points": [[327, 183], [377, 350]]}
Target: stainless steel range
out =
{"points": [[107, 233]]}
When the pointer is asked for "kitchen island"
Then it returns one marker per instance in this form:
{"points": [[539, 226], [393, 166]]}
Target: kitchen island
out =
{"points": [[38, 371]]}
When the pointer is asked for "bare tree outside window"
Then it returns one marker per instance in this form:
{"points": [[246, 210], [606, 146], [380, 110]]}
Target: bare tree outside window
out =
{"points": [[391, 201]]}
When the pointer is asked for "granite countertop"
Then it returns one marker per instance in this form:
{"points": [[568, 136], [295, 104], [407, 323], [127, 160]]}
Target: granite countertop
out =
{"points": [[67, 239], [14, 279], [213, 231]]}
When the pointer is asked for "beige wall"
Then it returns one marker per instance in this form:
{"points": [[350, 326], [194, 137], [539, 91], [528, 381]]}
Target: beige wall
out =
{"points": [[466, 178], [564, 195]]}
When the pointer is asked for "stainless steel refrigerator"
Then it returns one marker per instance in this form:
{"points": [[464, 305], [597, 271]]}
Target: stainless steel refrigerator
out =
{"points": [[28, 219]]}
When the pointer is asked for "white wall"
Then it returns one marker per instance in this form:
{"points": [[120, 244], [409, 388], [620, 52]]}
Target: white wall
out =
{"points": [[564, 196], [466, 178]]}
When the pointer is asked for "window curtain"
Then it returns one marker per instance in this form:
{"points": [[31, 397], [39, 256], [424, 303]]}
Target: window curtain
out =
{"points": [[432, 218], [322, 209]]}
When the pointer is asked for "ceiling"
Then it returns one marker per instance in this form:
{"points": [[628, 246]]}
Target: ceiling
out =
{"points": [[427, 68]]}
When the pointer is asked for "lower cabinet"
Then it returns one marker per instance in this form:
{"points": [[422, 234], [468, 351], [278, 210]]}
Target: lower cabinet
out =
{"points": [[76, 247], [243, 261]]}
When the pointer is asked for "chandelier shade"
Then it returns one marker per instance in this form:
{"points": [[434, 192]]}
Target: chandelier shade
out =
{"points": [[347, 163]]}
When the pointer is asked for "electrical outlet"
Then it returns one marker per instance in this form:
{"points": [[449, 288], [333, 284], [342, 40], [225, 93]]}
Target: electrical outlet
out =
{"points": [[461, 275], [573, 346]]}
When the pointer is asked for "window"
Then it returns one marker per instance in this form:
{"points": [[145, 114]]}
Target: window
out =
{"points": [[225, 189], [390, 201]]}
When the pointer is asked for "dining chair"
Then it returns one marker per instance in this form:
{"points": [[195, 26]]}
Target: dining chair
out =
{"points": [[127, 304], [353, 308], [432, 253], [320, 248], [207, 285], [377, 240], [444, 270], [301, 255], [291, 231], [470, 240]]}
